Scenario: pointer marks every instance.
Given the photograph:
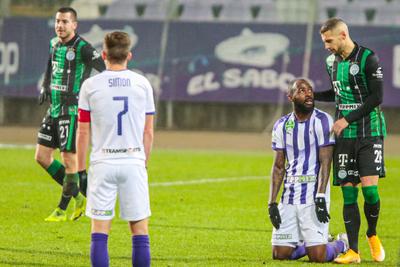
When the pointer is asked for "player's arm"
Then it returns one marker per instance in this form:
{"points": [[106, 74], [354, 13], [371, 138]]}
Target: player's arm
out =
{"points": [[278, 172], [92, 58], [45, 89], [148, 136], [328, 95], [325, 160], [82, 143], [374, 76]]}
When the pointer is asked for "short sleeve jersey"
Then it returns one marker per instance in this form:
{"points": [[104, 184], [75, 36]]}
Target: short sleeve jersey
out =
{"points": [[118, 102], [301, 142]]}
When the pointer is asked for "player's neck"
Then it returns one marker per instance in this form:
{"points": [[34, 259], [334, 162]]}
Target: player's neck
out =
{"points": [[115, 67], [66, 40], [348, 48], [302, 115]]}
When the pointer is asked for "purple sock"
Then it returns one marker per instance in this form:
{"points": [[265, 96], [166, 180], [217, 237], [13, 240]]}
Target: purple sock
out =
{"points": [[98, 250], [333, 249], [140, 251], [298, 253]]}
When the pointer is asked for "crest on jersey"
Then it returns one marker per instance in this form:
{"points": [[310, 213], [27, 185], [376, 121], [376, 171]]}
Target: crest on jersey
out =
{"points": [[354, 69], [70, 54], [289, 126]]}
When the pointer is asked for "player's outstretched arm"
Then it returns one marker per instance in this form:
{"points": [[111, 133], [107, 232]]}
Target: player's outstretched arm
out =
{"points": [[148, 136], [278, 172], [325, 159]]}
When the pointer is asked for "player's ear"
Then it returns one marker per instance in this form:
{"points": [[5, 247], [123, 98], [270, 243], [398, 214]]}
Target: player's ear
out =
{"points": [[130, 56], [104, 55]]}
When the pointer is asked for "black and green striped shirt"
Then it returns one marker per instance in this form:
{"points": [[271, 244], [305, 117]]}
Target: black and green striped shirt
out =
{"points": [[357, 82], [68, 66]]}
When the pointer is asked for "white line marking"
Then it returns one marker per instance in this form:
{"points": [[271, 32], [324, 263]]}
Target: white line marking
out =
{"points": [[20, 146], [209, 181]]}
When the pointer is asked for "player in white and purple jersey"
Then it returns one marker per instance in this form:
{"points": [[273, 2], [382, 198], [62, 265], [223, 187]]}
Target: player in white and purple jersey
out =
{"points": [[303, 146], [116, 110]]}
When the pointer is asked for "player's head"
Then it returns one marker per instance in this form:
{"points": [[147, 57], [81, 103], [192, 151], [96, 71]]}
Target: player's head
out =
{"points": [[117, 48], [65, 23], [335, 34], [301, 94]]}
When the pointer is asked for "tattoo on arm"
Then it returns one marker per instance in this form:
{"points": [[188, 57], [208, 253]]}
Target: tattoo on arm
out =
{"points": [[278, 172], [325, 160]]}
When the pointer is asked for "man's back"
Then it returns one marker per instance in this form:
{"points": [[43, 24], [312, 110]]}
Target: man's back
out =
{"points": [[118, 102]]}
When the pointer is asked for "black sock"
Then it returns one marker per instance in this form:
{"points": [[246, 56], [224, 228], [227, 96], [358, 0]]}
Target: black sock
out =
{"points": [[372, 213], [64, 201], [351, 216]]}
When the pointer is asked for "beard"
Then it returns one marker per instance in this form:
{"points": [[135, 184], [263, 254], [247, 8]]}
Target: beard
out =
{"points": [[302, 108]]}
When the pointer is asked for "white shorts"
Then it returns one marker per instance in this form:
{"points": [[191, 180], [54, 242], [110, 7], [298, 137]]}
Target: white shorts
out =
{"points": [[300, 223], [129, 181]]}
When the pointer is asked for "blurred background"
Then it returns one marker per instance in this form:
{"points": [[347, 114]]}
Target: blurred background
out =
{"points": [[215, 65]]}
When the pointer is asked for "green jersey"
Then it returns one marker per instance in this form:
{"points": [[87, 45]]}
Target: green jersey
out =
{"points": [[68, 66], [358, 85]]}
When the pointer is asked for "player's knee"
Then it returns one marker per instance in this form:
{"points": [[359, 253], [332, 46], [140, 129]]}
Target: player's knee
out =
{"points": [[317, 258], [69, 161], [371, 194], [350, 194], [278, 254], [43, 159], [139, 227]]}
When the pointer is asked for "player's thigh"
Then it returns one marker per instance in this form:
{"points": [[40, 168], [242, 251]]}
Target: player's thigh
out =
{"points": [[101, 191], [101, 226], [66, 132], [133, 191], [345, 162], [370, 157], [312, 231], [317, 253], [282, 252], [288, 233], [47, 134]]}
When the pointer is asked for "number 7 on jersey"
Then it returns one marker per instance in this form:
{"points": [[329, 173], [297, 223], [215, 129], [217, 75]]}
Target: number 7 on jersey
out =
{"points": [[125, 110]]}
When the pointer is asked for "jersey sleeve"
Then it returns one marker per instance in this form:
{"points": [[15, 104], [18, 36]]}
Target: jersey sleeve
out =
{"points": [[374, 75], [277, 136], [83, 103], [323, 128], [92, 58], [150, 106]]}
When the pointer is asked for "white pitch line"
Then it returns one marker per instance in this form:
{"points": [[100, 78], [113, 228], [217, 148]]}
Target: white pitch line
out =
{"points": [[19, 146], [209, 181]]}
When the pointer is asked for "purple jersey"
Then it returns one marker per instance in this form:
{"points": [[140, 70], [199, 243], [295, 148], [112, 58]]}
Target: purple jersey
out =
{"points": [[301, 142]]}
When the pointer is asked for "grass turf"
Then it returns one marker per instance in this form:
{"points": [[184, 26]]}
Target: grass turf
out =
{"points": [[215, 222]]}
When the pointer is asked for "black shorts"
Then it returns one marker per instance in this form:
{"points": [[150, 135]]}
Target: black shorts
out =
{"points": [[358, 157], [58, 132]]}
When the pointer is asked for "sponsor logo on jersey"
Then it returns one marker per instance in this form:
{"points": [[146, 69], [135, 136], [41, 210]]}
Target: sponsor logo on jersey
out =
{"points": [[45, 136], [377, 145], [63, 122], [352, 173], [121, 150], [57, 87], [354, 69], [301, 179], [96, 212], [349, 106], [95, 55], [343, 158], [378, 73]]}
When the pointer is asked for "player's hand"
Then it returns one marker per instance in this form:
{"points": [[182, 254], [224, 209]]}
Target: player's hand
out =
{"points": [[274, 215], [339, 126], [83, 182], [43, 96], [321, 210]]}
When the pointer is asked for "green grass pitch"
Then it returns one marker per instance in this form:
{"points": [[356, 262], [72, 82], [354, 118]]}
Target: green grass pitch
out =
{"points": [[209, 209]]}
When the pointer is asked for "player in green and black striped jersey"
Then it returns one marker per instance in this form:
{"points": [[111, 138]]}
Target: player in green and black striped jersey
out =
{"points": [[70, 62], [357, 88]]}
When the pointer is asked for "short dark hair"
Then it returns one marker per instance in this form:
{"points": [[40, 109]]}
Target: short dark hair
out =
{"points": [[68, 9], [330, 24], [117, 46]]}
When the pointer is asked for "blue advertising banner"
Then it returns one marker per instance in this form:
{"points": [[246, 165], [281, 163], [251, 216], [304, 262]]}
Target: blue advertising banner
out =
{"points": [[204, 62]]}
